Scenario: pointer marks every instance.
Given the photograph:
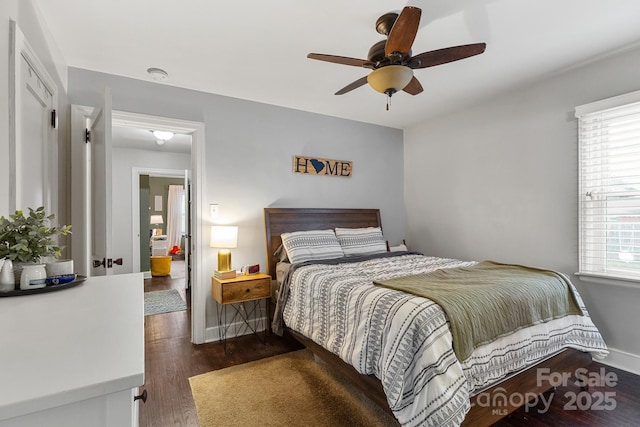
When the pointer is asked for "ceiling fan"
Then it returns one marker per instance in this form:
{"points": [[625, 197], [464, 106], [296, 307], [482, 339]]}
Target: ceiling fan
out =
{"points": [[391, 59]]}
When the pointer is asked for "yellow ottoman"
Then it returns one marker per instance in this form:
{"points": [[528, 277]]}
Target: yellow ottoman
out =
{"points": [[160, 265]]}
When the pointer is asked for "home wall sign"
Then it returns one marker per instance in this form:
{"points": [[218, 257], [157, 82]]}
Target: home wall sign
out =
{"points": [[318, 166]]}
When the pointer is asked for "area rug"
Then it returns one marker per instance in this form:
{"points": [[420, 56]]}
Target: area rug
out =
{"points": [[291, 389], [158, 302]]}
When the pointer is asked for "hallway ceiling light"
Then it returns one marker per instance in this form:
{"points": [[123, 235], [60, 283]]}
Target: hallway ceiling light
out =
{"points": [[162, 136]]}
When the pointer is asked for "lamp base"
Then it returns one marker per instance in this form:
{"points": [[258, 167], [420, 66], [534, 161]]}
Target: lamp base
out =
{"points": [[224, 260]]}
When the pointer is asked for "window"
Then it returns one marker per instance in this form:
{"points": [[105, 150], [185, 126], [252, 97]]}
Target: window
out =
{"points": [[176, 218], [609, 199]]}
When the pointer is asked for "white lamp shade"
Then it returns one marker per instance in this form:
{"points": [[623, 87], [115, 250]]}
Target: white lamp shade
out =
{"points": [[224, 236], [156, 219], [395, 77]]}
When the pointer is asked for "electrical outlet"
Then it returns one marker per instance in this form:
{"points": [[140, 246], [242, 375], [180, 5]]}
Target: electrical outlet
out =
{"points": [[214, 210]]}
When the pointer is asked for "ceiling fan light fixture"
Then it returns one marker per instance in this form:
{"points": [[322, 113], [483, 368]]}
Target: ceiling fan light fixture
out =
{"points": [[392, 60], [390, 79]]}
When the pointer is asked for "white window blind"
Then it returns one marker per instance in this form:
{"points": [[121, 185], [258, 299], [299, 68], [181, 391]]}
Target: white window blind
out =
{"points": [[609, 199]]}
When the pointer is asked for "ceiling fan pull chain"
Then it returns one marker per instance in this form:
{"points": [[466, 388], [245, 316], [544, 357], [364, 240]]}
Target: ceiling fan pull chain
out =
{"points": [[388, 101]]}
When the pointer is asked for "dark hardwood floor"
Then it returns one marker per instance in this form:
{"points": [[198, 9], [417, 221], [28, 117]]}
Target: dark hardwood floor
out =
{"points": [[170, 359], [611, 400]]}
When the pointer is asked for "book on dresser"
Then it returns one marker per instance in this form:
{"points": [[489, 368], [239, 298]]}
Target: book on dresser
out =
{"points": [[230, 274]]}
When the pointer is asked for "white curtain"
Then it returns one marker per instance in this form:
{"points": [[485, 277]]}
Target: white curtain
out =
{"points": [[175, 215]]}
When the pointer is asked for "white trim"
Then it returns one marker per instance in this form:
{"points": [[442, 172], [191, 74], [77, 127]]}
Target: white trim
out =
{"points": [[213, 332], [608, 280], [201, 278], [123, 118], [608, 103], [80, 187], [622, 360]]}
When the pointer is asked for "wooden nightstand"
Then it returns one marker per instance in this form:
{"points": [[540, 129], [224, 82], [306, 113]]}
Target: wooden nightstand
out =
{"points": [[236, 292]]}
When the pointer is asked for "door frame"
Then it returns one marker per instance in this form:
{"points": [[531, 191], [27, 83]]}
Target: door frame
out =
{"points": [[79, 194], [135, 203]]}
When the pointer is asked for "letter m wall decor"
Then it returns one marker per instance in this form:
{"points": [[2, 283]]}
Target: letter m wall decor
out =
{"points": [[318, 166]]}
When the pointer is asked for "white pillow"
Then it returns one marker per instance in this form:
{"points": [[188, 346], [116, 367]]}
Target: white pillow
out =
{"points": [[311, 245], [361, 241]]}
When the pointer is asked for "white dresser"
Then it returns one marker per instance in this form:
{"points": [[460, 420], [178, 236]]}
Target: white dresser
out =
{"points": [[73, 357]]}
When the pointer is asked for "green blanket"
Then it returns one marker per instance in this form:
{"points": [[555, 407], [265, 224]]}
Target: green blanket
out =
{"points": [[489, 300]]}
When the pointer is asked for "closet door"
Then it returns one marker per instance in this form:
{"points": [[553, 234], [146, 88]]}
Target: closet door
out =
{"points": [[33, 135]]}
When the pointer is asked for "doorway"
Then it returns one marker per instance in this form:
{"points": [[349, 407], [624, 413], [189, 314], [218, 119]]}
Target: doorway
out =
{"points": [[150, 191], [80, 193]]}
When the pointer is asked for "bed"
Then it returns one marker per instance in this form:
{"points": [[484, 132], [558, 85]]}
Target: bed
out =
{"points": [[466, 397]]}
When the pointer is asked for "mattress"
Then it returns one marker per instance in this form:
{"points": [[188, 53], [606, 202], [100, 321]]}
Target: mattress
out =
{"points": [[405, 341]]}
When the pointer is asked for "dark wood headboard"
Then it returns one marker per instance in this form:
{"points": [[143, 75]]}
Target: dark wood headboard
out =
{"points": [[286, 220]]}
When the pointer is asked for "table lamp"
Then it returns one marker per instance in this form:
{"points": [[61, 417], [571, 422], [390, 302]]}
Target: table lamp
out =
{"points": [[156, 220], [224, 237]]}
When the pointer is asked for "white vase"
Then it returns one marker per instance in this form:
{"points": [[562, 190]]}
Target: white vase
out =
{"points": [[7, 281], [33, 276]]}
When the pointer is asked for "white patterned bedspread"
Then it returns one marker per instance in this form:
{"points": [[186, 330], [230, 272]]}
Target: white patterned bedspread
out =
{"points": [[404, 340]]}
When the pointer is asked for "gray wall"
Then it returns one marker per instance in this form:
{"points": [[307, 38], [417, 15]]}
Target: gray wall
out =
{"points": [[159, 186], [499, 181], [249, 153]]}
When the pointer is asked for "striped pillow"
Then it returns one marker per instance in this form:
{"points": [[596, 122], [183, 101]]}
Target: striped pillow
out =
{"points": [[361, 241], [311, 245]]}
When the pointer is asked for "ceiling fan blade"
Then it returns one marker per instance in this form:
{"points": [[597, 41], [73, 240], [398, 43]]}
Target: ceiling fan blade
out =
{"points": [[448, 54], [403, 32], [414, 87], [351, 86], [339, 59]]}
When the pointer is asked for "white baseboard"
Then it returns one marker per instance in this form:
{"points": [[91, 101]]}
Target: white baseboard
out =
{"points": [[235, 329], [147, 274], [622, 360]]}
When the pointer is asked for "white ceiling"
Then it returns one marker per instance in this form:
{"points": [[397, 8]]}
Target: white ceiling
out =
{"points": [[256, 50]]}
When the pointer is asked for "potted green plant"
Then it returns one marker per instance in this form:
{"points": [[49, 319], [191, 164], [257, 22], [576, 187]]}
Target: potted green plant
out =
{"points": [[28, 239]]}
